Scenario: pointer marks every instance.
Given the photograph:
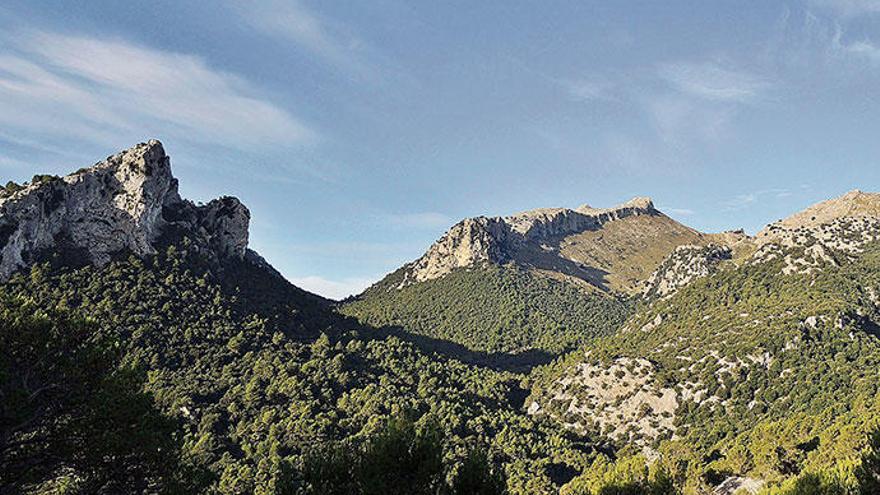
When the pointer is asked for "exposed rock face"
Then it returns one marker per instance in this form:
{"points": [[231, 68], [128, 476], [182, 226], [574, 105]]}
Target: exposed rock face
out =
{"points": [[739, 484], [623, 401], [501, 239], [467, 243], [684, 265], [822, 235], [225, 221], [124, 203]]}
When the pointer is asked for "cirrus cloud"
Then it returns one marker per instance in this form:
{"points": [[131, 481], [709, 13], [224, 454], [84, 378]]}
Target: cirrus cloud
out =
{"points": [[106, 90]]}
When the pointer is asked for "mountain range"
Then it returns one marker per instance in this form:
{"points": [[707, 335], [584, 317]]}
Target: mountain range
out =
{"points": [[575, 351]]}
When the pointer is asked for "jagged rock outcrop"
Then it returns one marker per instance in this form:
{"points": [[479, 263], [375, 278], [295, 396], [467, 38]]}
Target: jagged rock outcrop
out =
{"points": [[821, 235], [124, 203], [501, 239], [683, 266]]}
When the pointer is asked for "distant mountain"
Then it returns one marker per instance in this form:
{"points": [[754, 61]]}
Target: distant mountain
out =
{"points": [[609, 249], [546, 279], [145, 349], [154, 327], [778, 348]]}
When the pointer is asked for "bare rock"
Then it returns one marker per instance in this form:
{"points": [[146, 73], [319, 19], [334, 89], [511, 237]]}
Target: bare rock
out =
{"points": [[124, 203], [683, 266], [500, 239]]}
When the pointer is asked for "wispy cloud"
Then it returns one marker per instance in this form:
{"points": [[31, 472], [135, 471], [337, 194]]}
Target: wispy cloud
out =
{"points": [[425, 220], [101, 89], [863, 48], [334, 289], [713, 82], [293, 21], [9, 163], [742, 201], [821, 44], [683, 212], [849, 8], [587, 90]]}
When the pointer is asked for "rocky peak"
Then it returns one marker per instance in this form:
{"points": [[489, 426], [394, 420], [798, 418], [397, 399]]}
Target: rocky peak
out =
{"points": [[854, 204], [498, 239], [124, 203]]}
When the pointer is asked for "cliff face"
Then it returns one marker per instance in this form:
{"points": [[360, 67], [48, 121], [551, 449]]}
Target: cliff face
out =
{"points": [[124, 203], [501, 239]]}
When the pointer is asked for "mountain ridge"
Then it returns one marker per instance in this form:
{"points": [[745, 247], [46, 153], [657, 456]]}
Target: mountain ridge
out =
{"points": [[124, 203]]}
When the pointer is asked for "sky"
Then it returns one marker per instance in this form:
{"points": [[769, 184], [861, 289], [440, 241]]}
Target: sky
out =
{"points": [[358, 132]]}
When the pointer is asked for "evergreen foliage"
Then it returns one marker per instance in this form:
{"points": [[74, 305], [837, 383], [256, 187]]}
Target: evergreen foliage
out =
{"points": [[493, 309], [258, 373]]}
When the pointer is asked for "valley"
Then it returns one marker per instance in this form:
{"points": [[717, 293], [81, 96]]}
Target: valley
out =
{"points": [[573, 351]]}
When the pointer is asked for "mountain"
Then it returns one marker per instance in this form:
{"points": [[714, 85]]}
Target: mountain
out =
{"points": [[760, 369], [547, 279], [134, 322], [604, 249], [124, 203], [145, 349]]}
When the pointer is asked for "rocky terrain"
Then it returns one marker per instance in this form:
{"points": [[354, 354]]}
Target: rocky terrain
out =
{"points": [[578, 345], [684, 265], [754, 341], [124, 203], [609, 249]]}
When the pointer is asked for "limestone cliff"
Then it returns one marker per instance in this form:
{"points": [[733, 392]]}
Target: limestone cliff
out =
{"points": [[514, 238], [122, 204]]}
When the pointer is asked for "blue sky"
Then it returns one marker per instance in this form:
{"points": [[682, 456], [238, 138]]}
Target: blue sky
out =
{"points": [[357, 132]]}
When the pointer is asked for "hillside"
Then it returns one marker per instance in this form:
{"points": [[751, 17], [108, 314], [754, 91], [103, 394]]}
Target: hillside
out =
{"points": [[145, 349], [495, 309], [761, 371], [246, 377], [547, 279]]}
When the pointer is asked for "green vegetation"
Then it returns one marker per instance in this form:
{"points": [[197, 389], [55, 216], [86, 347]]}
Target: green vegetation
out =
{"points": [[194, 376], [71, 418], [786, 365], [258, 374], [403, 458], [492, 309]]}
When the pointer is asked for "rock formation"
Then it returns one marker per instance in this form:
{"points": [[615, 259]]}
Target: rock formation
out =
{"points": [[501, 239], [123, 204], [683, 266]]}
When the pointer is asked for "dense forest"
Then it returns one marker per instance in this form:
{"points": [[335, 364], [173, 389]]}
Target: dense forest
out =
{"points": [[493, 308], [178, 375], [260, 377]]}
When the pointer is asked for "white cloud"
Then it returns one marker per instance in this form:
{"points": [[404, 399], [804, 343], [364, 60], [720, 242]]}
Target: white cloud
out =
{"points": [[863, 48], [684, 212], [100, 90], [746, 200], [7, 163], [850, 8], [333, 289], [713, 82], [426, 220], [587, 90], [680, 119], [291, 20], [740, 201]]}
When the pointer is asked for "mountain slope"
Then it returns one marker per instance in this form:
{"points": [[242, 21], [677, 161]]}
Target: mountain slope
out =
{"points": [[547, 279], [492, 309], [763, 370], [257, 373]]}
